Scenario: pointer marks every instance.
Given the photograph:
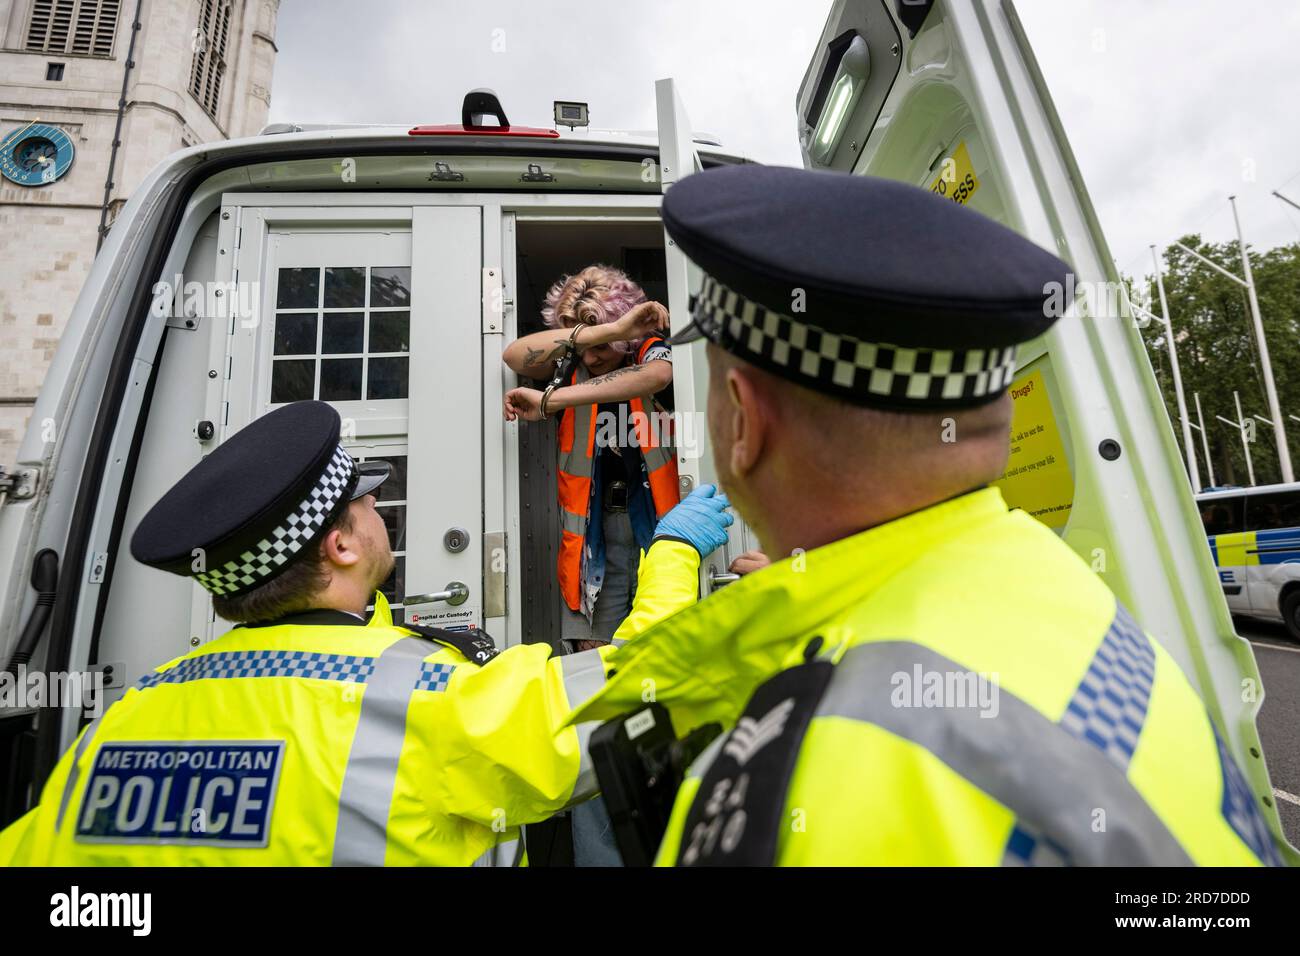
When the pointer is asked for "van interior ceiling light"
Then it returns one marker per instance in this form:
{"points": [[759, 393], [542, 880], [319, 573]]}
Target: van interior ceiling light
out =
{"points": [[570, 114], [838, 103]]}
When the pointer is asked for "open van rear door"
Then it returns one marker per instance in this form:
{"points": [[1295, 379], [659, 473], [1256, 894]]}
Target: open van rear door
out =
{"points": [[678, 157], [948, 96]]}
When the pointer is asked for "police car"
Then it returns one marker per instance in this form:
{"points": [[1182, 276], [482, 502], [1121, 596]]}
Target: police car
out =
{"points": [[1254, 537], [384, 269]]}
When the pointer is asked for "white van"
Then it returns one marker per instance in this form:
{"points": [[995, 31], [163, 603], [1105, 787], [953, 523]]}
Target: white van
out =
{"points": [[385, 269], [1254, 537]]}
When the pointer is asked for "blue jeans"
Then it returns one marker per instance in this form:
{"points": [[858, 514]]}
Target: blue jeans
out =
{"points": [[593, 834]]}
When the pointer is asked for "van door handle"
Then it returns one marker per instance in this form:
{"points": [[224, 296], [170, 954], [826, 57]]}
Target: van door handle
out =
{"points": [[719, 578], [456, 593]]}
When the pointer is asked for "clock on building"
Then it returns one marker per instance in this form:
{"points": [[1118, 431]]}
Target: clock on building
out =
{"points": [[35, 155]]}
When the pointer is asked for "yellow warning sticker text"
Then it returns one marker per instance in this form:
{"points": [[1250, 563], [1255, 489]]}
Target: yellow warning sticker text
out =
{"points": [[956, 179], [1037, 478]]}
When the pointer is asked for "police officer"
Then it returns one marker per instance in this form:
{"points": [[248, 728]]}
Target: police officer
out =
{"points": [[312, 733], [925, 677]]}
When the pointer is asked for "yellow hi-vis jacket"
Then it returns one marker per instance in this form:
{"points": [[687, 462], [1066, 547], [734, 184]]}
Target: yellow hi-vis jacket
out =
{"points": [[977, 696], [332, 744]]}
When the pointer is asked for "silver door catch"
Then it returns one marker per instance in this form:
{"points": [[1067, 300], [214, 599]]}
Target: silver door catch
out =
{"points": [[718, 578], [456, 593]]}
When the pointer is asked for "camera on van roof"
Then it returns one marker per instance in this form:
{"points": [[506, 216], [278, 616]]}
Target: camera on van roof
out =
{"points": [[570, 114]]}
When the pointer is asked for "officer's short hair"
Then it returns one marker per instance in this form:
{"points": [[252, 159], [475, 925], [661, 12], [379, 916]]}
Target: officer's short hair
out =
{"points": [[293, 590]]}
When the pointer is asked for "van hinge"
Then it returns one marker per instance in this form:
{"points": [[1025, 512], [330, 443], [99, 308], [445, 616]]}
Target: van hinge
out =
{"points": [[494, 574], [494, 301], [20, 483]]}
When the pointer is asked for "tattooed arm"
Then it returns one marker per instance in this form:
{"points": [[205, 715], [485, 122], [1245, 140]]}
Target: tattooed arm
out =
{"points": [[616, 386], [534, 356]]}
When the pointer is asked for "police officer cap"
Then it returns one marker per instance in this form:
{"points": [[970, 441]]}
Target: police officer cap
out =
{"points": [[259, 501], [865, 288]]}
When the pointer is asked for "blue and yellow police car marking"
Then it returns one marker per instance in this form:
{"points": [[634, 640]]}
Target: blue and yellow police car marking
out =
{"points": [[211, 792], [1279, 546]]}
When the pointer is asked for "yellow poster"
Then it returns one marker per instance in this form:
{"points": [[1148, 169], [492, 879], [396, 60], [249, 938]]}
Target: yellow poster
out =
{"points": [[956, 179], [1037, 478]]}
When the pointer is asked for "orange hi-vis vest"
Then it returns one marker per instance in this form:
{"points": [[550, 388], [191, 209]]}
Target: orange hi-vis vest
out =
{"points": [[577, 458]]}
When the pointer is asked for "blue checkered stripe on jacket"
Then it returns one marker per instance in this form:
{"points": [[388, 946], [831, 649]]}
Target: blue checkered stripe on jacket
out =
{"points": [[434, 676], [1107, 710], [226, 664], [1239, 808]]}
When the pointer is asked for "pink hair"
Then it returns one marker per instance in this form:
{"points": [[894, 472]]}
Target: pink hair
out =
{"points": [[597, 294]]}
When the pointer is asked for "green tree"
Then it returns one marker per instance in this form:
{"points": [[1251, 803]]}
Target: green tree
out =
{"points": [[1217, 351]]}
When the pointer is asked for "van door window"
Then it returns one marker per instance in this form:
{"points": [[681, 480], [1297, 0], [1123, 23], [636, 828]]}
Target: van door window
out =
{"points": [[1273, 512], [1221, 515]]}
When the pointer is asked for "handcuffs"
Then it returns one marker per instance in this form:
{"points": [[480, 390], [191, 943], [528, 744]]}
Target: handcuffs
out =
{"points": [[564, 368]]}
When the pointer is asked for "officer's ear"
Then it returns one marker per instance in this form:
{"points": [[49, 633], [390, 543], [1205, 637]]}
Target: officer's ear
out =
{"points": [[747, 406], [340, 546]]}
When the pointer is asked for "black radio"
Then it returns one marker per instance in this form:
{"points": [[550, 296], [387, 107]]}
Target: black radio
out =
{"points": [[640, 764]]}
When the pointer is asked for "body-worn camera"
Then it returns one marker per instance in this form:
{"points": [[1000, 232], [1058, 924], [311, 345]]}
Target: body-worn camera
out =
{"points": [[640, 764]]}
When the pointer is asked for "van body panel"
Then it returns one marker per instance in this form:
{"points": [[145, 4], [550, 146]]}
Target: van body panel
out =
{"points": [[970, 101]]}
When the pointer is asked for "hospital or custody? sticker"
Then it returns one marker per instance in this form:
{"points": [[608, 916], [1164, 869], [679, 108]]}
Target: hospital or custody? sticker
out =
{"points": [[212, 792]]}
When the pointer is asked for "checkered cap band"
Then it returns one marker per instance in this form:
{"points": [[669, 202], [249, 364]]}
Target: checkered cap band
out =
{"points": [[844, 365], [269, 556]]}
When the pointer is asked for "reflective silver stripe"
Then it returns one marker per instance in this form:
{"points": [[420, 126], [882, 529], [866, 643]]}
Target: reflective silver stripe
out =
{"points": [[501, 854], [371, 774], [1054, 782], [586, 785], [584, 676], [73, 771], [705, 760], [657, 457], [576, 461], [575, 524]]}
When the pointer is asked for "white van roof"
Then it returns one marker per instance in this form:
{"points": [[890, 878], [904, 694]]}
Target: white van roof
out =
{"points": [[1254, 490]]}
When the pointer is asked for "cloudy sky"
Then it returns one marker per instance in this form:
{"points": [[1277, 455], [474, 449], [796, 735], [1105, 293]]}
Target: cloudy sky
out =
{"points": [[1170, 105]]}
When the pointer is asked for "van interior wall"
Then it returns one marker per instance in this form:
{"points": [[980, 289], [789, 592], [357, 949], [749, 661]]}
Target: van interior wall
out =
{"points": [[147, 614], [546, 252]]}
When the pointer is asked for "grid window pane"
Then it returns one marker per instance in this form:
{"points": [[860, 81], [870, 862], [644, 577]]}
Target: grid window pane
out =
{"points": [[295, 333], [344, 332], [345, 288], [395, 521], [292, 380], [387, 378], [394, 489], [390, 332], [340, 380], [390, 286], [395, 587], [298, 289]]}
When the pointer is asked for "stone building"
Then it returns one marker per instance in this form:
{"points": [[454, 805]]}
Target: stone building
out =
{"points": [[199, 71]]}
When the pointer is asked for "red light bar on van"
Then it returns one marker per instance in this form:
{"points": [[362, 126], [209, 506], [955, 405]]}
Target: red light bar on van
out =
{"points": [[458, 129]]}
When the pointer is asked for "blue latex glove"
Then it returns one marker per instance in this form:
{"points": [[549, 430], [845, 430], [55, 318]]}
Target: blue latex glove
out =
{"points": [[699, 520]]}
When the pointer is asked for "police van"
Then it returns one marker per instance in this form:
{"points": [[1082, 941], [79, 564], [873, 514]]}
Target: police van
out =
{"points": [[1254, 537], [385, 269]]}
